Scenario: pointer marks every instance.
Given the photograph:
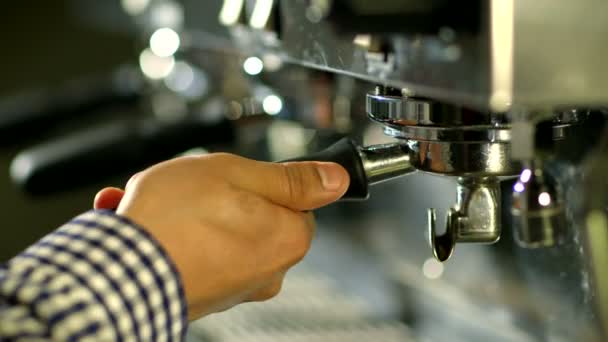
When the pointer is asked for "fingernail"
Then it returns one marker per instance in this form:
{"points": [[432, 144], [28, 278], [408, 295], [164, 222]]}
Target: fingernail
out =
{"points": [[331, 176]]}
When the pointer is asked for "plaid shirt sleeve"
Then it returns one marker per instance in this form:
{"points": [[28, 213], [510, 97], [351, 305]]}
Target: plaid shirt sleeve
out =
{"points": [[99, 277]]}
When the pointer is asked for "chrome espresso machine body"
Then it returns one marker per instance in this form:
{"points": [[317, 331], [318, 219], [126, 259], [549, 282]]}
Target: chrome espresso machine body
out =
{"points": [[505, 99]]}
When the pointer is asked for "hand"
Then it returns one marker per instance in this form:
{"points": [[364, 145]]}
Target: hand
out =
{"points": [[233, 226]]}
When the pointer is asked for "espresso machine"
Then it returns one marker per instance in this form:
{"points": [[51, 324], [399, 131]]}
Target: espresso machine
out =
{"points": [[484, 122]]}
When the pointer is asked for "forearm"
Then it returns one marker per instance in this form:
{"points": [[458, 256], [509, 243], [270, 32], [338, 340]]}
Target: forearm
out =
{"points": [[98, 276]]}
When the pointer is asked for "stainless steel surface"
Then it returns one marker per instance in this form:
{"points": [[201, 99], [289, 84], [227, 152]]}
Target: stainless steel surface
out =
{"points": [[428, 120], [595, 231], [406, 110], [478, 210], [431, 60], [476, 217], [385, 162], [312, 307], [501, 66], [423, 119], [455, 134], [537, 209], [463, 159], [542, 73], [446, 139]]}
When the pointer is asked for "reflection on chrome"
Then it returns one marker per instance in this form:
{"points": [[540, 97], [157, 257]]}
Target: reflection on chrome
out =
{"points": [[525, 175]]}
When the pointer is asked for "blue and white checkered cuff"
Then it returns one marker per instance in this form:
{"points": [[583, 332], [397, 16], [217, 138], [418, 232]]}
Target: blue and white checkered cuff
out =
{"points": [[99, 276]]}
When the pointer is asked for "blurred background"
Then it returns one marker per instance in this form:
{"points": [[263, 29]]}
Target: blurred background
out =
{"points": [[45, 44], [94, 91]]}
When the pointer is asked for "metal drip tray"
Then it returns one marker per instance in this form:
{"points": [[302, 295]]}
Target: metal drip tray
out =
{"points": [[310, 308]]}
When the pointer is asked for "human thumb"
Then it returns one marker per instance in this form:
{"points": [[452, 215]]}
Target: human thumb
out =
{"points": [[299, 186]]}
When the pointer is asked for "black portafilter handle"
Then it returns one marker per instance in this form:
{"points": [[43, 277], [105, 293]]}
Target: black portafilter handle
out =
{"points": [[25, 113], [94, 154], [365, 165], [346, 153]]}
